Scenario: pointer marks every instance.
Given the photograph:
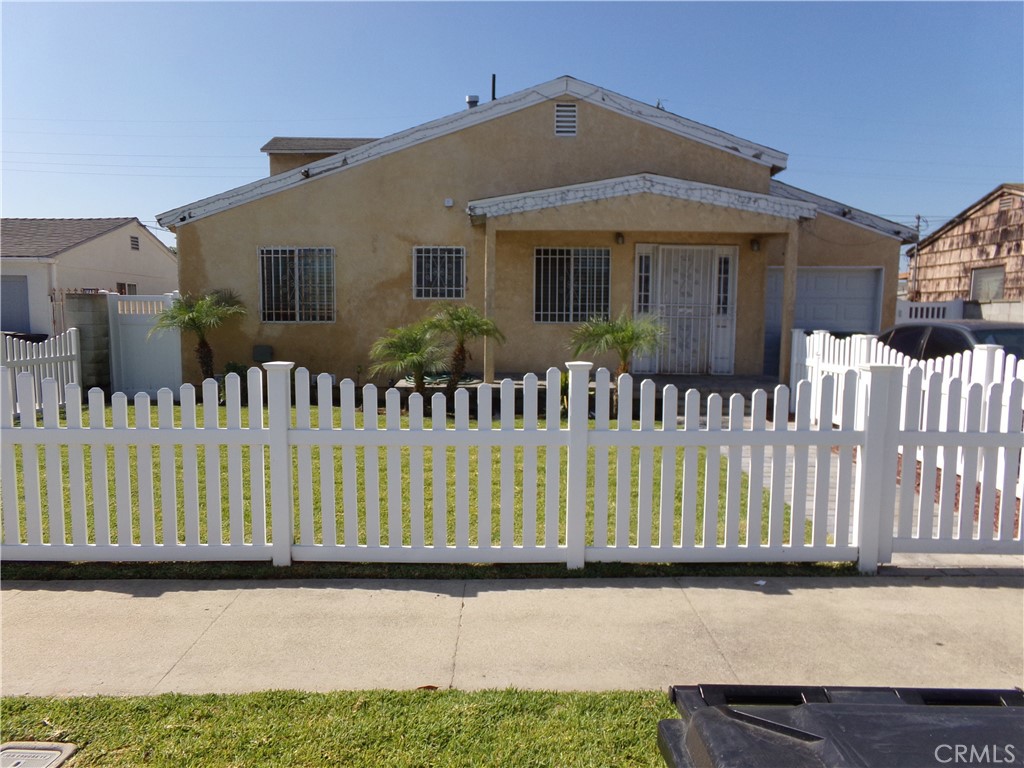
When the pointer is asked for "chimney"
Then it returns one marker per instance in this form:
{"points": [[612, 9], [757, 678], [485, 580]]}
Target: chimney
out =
{"points": [[472, 101]]}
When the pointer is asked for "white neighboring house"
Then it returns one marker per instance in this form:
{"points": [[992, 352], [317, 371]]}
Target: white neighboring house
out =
{"points": [[41, 260]]}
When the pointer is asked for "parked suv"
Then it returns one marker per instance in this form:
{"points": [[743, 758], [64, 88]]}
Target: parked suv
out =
{"points": [[929, 339]]}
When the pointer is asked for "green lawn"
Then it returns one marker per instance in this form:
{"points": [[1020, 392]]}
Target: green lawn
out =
{"points": [[368, 728], [217, 462]]}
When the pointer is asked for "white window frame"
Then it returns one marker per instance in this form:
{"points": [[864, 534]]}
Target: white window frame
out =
{"points": [[450, 261], [317, 275], [597, 300]]}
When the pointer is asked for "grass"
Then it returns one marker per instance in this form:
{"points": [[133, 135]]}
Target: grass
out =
{"points": [[361, 728]]}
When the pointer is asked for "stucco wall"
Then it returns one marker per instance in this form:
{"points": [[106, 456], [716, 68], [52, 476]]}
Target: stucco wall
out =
{"points": [[374, 214], [545, 344], [103, 262], [281, 162]]}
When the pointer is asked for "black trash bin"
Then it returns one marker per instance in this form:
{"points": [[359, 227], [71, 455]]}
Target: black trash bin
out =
{"points": [[749, 726]]}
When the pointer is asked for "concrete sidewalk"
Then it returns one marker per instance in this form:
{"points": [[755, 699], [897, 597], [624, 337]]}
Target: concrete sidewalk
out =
{"points": [[919, 625]]}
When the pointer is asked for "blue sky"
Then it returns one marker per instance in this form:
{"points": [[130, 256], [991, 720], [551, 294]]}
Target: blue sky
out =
{"points": [[131, 109]]}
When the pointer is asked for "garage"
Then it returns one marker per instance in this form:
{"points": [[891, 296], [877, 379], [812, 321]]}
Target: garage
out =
{"points": [[827, 298], [14, 304]]}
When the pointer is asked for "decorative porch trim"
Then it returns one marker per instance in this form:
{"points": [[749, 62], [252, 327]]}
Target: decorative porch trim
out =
{"points": [[626, 186]]}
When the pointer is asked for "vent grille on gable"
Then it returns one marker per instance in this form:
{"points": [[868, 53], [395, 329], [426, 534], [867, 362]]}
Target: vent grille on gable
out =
{"points": [[565, 119]]}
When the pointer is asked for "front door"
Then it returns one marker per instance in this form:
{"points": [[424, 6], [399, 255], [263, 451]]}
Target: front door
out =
{"points": [[692, 290]]}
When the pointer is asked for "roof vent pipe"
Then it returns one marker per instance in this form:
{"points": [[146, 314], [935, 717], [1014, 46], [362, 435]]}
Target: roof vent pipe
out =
{"points": [[472, 101]]}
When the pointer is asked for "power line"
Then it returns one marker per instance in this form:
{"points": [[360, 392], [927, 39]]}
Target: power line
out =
{"points": [[250, 177], [115, 154], [121, 165]]}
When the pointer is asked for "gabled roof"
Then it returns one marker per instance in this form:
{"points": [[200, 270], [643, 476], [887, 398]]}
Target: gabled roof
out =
{"points": [[562, 87], [46, 238], [845, 212], [1013, 189], [287, 145], [624, 186]]}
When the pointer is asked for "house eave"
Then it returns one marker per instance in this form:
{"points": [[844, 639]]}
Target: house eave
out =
{"points": [[849, 214]]}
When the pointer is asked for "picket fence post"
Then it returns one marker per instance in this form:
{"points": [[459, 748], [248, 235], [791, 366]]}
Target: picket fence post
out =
{"points": [[862, 348], [279, 403], [983, 366], [875, 497], [576, 473]]}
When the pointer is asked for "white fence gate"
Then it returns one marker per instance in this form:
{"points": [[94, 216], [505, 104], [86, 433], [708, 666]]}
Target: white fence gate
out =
{"points": [[58, 358], [140, 362]]}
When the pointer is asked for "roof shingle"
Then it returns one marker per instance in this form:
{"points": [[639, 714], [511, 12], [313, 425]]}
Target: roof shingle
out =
{"points": [[41, 238], [311, 145]]}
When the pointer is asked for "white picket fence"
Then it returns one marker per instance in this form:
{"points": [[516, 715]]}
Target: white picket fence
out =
{"points": [[58, 358], [822, 354], [339, 483]]}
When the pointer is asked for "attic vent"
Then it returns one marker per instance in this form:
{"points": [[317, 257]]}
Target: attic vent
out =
{"points": [[1005, 203], [565, 119], [135, 242]]}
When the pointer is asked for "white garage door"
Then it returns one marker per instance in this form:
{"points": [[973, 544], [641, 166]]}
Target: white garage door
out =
{"points": [[826, 299], [14, 304]]}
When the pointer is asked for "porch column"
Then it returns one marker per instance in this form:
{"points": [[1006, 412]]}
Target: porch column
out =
{"points": [[789, 265], [490, 261]]}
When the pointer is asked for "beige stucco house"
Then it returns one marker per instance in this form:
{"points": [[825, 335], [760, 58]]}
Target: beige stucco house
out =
{"points": [[978, 255], [42, 260], [542, 208]]}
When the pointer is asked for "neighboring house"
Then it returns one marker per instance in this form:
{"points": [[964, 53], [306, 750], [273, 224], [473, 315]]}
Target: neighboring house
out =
{"points": [[41, 260], [542, 208], [978, 255]]}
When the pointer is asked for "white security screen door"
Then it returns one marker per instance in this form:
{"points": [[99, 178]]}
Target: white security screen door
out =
{"points": [[692, 290]]}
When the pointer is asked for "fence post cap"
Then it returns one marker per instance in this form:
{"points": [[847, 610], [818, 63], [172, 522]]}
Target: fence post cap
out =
{"points": [[579, 365], [879, 368], [278, 366]]}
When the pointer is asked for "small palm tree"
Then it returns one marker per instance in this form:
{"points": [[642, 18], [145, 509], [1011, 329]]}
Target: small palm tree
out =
{"points": [[199, 315], [626, 336], [411, 349], [462, 324]]}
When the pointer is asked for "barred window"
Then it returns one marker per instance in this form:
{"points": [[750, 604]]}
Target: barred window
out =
{"points": [[438, 272], [571, 285], [296, 285]]}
